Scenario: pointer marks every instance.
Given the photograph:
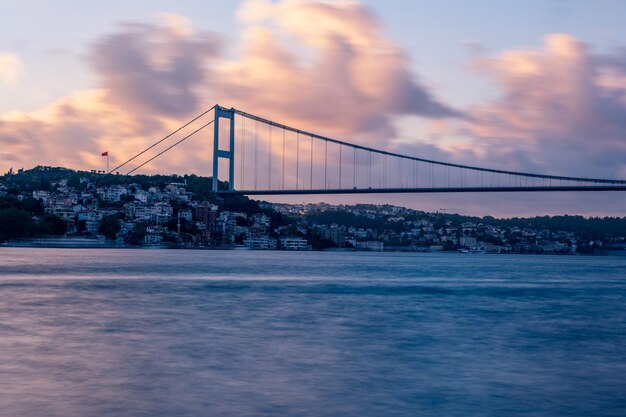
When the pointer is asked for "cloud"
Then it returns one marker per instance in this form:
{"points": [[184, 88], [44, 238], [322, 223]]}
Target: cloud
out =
{"points": [[327, 66], [155, 69], [558, 109], [340, 76], [149, 76], [10, 68], [561, 109]]}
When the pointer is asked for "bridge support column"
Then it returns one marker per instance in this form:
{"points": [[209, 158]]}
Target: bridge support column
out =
{"points": [[218, 153]]}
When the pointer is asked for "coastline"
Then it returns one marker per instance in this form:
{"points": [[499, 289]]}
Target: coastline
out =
{"points": [[90, 243]]}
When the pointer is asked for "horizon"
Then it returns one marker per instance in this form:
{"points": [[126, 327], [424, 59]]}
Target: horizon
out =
{"points": [[534, 87]]}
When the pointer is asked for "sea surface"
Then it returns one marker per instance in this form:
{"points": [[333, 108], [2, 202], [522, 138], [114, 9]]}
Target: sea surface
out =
{"points": [[105, 332]]}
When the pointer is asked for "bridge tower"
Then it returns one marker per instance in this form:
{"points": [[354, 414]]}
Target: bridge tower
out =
{"points": [[221, 112]]}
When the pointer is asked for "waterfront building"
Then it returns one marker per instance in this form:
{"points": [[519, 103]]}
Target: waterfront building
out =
{"points": [[370, 245], [294, 243], [467, 241], [260, 243]]}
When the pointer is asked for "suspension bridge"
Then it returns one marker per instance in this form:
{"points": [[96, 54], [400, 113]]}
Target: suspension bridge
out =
{"points": [[253, 155]]}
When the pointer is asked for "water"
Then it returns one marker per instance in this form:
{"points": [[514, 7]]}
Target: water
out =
{"points": [[203, 333]]}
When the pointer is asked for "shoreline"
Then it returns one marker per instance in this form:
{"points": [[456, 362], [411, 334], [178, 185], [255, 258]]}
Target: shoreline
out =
{"points": [[612, 253]]}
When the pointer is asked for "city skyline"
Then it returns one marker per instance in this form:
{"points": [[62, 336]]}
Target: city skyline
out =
{"points": [[544, 95]]}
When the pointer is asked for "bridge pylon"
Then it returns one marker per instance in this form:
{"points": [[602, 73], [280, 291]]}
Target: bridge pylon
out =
{"points": [[221, 112]]}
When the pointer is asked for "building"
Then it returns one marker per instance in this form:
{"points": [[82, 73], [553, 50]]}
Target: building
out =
{"points": [[162, 213], [185, 214], [294, 243], [151, 239], [141, 196], [467, 241], [206, 213], [88, 215], [43, 196], [260, 243], [371, 245], [113, 193]]}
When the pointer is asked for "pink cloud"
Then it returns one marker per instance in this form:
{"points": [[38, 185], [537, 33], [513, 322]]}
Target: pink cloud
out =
{"points": [[339, 76], [149, 77], [326, 66], [561, 109]]}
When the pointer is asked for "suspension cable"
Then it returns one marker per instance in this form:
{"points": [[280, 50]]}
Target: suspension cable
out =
{"points": [[170, 147], [160, 141]]}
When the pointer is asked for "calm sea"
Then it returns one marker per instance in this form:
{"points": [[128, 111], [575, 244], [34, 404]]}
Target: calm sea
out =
{"points": [[210, 333]]}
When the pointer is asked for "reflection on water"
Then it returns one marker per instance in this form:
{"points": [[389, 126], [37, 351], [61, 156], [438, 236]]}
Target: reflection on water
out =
{"points": [[198, 333]]}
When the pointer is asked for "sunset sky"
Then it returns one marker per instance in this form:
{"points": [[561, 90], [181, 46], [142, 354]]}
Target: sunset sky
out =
{"points": [[538, 85]]}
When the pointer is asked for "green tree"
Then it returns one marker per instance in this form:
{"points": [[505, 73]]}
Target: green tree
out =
{"points": [[74, 182], [292, 230], [32, 206], [136, 236], [81, 226], [52, 225], [15, 223], [110, 226]]}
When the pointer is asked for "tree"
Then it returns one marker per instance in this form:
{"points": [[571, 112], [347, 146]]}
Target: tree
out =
{"points": [[317, 242], [110, 226], [127, 198], [52, 225], [136, 236], [74, 182], [448, 245], [292, 230], [32, 206], [15, 223]]}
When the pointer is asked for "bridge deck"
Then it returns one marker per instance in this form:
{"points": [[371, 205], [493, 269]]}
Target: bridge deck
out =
{"points": [[428, 190]]}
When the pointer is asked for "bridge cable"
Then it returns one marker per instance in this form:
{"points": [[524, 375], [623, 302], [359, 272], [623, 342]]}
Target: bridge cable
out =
{"points": [[298, 161], [325, 164], [311, 178], [340, 146], [161, 140], [369, 170], [170, 147], [256, 153], [354, 169], [269, 169], [385, 171], [243, 153], [462, 176], [283, 179]]}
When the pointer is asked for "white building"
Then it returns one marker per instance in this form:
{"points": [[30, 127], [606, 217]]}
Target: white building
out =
{"points": [[41, 195], [467, 241], [162, 213], [88, 215], [92, 226], [260, 243], [153, 239], [142, 196], [113, 193], [294, 243]]}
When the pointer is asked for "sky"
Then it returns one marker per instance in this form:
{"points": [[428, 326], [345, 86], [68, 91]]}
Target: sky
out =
{"points": [[537, 86]]}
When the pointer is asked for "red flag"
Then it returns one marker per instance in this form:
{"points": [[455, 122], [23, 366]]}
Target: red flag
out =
{"points": [[105, 153]]}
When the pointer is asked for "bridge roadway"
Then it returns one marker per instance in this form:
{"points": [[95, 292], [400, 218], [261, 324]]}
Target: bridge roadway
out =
{"points": [[554, 188]]}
